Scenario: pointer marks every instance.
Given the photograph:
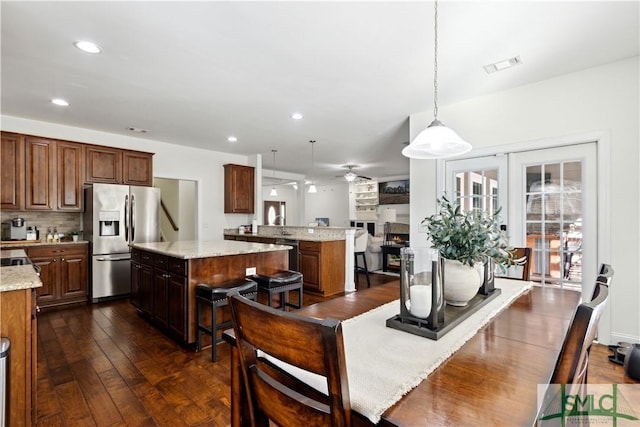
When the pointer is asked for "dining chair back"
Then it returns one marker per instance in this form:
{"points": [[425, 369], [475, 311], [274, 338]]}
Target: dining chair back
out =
{"points": [[605, 274], [572, 362], [521, 271], [266, 338]]}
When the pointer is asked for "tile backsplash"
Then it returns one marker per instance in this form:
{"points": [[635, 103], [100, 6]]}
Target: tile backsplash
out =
{"points": [[64, 221]]}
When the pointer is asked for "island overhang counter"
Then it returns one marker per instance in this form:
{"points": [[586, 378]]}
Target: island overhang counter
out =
{"points": [[164, 276]]}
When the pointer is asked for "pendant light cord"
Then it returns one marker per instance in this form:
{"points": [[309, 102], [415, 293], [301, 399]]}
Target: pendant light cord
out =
{"points": [[435, 62]]}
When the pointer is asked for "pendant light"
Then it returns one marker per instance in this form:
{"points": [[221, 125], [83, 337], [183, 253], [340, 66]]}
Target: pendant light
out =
{"points": [[274, 192], [437, 141], [312, 187]]}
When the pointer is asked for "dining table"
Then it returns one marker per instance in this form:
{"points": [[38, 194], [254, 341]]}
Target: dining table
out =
{"points": [[492, 379]]}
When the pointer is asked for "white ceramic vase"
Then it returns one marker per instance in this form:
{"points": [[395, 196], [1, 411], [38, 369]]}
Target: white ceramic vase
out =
{"points": [[461, 282]]}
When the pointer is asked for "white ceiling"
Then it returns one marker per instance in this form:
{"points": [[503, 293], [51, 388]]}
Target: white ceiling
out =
{"points": [[194, 73]]}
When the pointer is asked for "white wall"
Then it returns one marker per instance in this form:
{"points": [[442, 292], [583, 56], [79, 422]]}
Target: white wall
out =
{"points": [[188, 209], [603, 100], [170, 161], [330, 201]]}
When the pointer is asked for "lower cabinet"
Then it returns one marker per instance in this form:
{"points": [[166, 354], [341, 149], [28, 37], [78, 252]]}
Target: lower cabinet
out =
{"points": [[159, 291], [18, 322], [63, 271], [322, 264]]}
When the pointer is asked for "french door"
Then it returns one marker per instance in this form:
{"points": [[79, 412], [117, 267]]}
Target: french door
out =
{"points": [[548, 200], [555, 213]]}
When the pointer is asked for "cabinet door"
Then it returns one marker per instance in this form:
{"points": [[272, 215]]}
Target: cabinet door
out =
{"points": [[238, 189], [40, 161], [137, 168], [103, 164], [136, 272], [310, 269], [12, 170], [73, 275], [49, 276], [160, 288], [177, 295], [146, 289], [70, 176]]}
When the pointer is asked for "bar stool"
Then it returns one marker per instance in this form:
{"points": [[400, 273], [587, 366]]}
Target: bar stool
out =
{"points": [[216, 296], [360, 248], [281, 283]]}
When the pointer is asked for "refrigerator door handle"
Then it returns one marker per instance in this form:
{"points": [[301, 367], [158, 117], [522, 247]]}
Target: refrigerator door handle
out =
{"points": [[126, 218], [133, 218]]}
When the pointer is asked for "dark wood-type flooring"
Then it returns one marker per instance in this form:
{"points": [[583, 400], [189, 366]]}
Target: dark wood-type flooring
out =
{"points": [[104, 365]]}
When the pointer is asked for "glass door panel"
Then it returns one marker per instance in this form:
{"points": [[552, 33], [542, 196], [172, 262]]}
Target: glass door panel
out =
{"points": [[559, 211]]}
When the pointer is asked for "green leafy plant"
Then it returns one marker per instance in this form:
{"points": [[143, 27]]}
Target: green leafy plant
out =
{"points": [[74, 233], [469, 237]]}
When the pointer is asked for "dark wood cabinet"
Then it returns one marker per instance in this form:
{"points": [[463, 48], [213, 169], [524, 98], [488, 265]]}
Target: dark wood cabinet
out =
{"points": [[40, 177], [103, 164], [70, 168], [159, 290], [322, 265], [12, 170], [63, 271], [18, 322], [239, 189], [117, 166], [137, 168]]}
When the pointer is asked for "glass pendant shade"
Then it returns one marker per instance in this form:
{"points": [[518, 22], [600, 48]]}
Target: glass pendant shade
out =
{"points": [[273, 192], [313, 189], [436, 142]]}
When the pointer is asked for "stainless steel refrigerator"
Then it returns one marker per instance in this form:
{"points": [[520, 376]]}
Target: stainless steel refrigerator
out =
{"points": [[115, 217]]}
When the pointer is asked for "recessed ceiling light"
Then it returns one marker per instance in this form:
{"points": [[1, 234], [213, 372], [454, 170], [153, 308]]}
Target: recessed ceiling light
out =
{"points": [[88, 47], [232, 139], [59, 101], [137, 130], [502, 65], [296, 116]]}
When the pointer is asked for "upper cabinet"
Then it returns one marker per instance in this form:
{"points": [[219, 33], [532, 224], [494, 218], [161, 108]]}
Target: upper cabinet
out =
{"points": [[70, 171], [40, 178], [115, 166], [137, 168], [12, 170], [45, 174], [104, 165], [239, 189]]}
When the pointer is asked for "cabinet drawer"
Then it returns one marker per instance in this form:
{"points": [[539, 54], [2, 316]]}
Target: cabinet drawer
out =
{"points": [[136, 255], [178, 266], [306, 245], [160, 261], [146, 258], [47, 251]]}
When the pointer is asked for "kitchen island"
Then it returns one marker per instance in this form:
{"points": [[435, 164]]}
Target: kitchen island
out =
{"points": [[164, 276], [18, 282], [324, 255]]}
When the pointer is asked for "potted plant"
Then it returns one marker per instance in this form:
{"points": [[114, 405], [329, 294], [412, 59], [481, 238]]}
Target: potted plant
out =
{"points": [[466, 240], [74, 235]]}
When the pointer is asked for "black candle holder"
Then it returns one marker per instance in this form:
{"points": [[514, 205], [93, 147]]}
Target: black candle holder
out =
{"points": [[442, 318]]}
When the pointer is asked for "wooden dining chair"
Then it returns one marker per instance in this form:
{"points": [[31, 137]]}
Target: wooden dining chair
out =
{"points": [[521, 271], [605, 274], [572, 362], [266, 337]]}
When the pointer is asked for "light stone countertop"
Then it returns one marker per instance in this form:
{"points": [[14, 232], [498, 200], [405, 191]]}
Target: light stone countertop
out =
{"points": [[17, 277], [190, 249], [31, 243]]}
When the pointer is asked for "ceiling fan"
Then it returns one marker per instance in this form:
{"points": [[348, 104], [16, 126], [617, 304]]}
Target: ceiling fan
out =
{"points": [[351, 175]]}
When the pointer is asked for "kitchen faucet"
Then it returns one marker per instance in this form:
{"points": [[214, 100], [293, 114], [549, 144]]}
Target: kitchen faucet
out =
{"points": [[275, 221]]}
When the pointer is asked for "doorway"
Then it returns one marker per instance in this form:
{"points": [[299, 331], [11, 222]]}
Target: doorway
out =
{"points": [[178, 209], [275, 213]]}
